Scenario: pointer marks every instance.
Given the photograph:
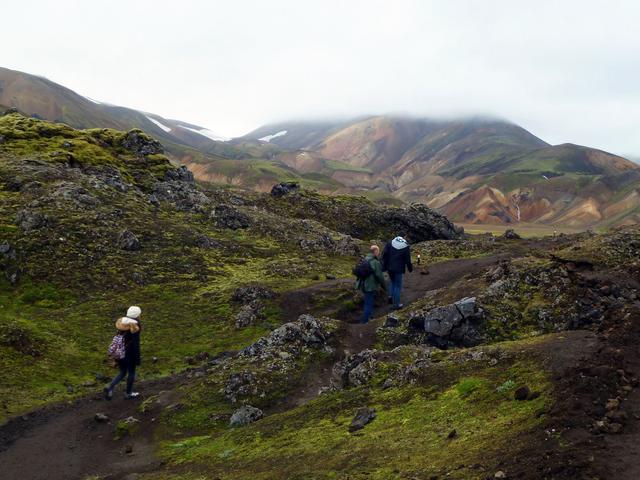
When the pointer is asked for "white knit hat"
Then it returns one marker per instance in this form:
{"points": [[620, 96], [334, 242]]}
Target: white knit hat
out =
{"points": [[134, 312]]}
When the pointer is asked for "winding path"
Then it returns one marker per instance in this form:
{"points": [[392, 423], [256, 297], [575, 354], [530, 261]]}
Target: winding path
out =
{"points": [[63, 441]]}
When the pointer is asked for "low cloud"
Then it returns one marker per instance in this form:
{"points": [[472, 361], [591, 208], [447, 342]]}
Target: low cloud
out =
{"points": [[567, 71]]}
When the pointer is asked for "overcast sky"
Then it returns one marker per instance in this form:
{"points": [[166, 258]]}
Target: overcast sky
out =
{"points": [[568, 71]]}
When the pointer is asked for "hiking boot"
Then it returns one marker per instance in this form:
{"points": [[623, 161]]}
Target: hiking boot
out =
{"points": [[108, 393], [131, 395]]}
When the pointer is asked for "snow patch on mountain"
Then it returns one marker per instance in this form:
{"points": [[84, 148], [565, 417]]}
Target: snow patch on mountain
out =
{"points": [[268, 138], [93, 101], [207, 133], [156, 122]]}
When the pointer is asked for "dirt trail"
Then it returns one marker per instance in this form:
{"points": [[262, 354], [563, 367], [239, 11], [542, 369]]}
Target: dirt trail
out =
{"points": [[64, 441], [357, 337], [415, 286]]}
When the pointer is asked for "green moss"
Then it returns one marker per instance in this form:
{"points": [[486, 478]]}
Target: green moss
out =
{"points": [[467, 386], [313, 441]]}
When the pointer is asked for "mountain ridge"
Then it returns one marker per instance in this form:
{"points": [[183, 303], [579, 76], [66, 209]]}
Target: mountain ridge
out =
{"points": [[478, 170]]}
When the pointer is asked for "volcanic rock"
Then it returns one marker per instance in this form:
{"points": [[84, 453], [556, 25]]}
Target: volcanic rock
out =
{"points": [[245, 415]]}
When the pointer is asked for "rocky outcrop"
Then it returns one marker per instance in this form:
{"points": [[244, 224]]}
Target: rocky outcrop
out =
{"points": [[70, 193], [278, 360], [249, 314], [240, 384], [181, 174], [140, 143], [284, 188], [354, 370], [250, 293], [360, 218], [227, 216], [290, 338], [245, 415], [182, 194], [455, 324], [418, 223]]}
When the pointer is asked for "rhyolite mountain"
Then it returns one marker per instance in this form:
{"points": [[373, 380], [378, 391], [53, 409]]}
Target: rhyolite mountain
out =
{"points": [[474, 170]]}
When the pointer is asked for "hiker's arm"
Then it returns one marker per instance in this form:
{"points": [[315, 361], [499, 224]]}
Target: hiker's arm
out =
{"points": [[409, 264], [377, 271]]}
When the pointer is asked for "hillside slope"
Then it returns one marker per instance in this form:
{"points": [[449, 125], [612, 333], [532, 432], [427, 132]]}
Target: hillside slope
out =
{"points": [[42, 98], [92, 220]]}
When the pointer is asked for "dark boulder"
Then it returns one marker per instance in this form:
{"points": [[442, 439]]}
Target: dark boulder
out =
{"points": [[391, 321], [521, 393], [7, 251], [290, 338], [245, 415], [226, 216], [450, 325], [128, 241], [203, 241], [284, 188], [419, 223], [355, 370], [510, 234], [362, 417]]}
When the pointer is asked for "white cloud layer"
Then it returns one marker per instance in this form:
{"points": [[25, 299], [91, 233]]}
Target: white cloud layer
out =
{"points": [[569, 71]]}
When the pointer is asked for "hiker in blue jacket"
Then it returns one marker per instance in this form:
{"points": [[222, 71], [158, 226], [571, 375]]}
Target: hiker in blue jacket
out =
{"points": [[396, 260]]}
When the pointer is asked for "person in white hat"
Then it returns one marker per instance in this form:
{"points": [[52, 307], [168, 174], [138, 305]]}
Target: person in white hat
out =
{"points": [[129, 326]]}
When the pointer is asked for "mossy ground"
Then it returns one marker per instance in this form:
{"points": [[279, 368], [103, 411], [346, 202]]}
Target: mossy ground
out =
{"points": [[409, 438], [441, 250], [74, 280]]}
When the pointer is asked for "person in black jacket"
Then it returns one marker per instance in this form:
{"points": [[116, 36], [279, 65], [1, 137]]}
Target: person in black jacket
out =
{"points": [[396, 260], [128, 326]]}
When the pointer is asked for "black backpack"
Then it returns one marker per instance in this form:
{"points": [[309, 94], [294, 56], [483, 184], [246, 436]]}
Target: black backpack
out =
{"points": [[362, 269]]}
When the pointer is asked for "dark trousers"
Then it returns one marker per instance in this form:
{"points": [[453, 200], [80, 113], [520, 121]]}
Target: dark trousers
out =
{"points": [[395, 287], [369, 298], [126, 370]]}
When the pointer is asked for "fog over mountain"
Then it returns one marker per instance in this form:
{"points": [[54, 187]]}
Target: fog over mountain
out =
{"points": [[565, 70]]}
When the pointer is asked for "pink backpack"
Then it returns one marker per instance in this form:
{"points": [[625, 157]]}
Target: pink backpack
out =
{"points": [[116, 349]]}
